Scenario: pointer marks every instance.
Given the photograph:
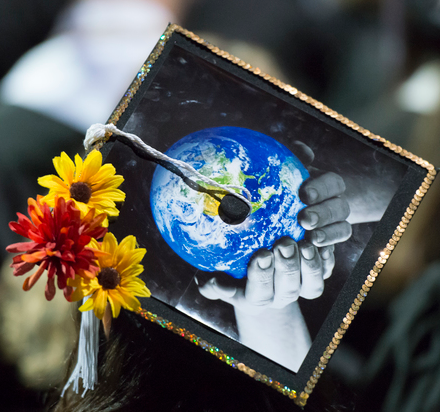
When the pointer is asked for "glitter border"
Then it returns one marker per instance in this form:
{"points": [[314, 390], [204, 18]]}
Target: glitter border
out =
{"points": [[146, 67], [302, 398], [366, 287], [218, 353]]}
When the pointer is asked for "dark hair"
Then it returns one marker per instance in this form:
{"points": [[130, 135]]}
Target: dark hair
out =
{"points": [[145, 368]]}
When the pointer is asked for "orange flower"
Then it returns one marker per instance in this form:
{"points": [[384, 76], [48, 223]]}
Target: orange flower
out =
{"points": [[59, 239]]}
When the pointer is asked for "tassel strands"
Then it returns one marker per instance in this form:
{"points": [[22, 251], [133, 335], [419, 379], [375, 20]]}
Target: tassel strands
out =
{"points": [[87, 364]]}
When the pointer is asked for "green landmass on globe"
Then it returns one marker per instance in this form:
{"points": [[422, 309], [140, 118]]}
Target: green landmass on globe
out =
{"points": [[188, 219]]}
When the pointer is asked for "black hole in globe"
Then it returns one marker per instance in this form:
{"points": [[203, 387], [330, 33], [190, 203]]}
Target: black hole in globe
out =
{"points": [[233, 210]]}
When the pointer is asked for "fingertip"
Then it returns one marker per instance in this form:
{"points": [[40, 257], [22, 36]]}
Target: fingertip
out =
{"points": [[312, 194], [317, 237], [303, 152], [328, 260], [207, 290], [325, 253], [308, 194], [313, 219], [264, 262], [308, 251], [341, 184], [343, 231], [308, 219], [261, 259], [349, 229], [329, 235], [286, 247], [212, 290], [287, 251], [224, 291]]}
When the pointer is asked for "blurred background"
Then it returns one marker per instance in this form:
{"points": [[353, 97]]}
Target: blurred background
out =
{"points": [[65, 65]]}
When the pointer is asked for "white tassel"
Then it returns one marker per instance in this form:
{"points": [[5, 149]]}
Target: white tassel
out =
{"points": [[87, 363]]}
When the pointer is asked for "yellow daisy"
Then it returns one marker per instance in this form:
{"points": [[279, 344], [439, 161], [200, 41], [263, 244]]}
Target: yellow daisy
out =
{"points": [[117, 281], [90, 184]]}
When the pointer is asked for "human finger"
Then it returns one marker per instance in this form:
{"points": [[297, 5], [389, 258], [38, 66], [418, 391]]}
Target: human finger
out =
{"points": [[287, 276], [317, 189], [212, 290], [329, 235], [328, 260], [259, 286], [312, 282], [303, 153], [322, 214]]}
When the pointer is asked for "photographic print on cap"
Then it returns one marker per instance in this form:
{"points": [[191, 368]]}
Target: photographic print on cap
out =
{"points": [[238, 128]]}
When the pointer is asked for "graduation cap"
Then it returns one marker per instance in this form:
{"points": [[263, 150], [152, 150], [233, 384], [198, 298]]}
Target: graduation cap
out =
{"points": [[232, 210]]}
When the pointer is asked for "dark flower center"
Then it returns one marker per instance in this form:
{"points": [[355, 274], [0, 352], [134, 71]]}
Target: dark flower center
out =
{"points": [[109, 278], [81, 192]]}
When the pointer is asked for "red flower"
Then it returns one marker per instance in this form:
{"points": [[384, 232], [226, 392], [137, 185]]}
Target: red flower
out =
{"points": [[59, 239]]}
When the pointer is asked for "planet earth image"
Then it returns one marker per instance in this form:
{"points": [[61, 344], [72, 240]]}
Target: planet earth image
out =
{"points": [[189, 220]]}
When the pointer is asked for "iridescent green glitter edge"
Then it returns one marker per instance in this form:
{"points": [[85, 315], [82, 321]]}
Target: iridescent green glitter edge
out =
{"points": [[143, 72], [218, 353], [300, 399]]}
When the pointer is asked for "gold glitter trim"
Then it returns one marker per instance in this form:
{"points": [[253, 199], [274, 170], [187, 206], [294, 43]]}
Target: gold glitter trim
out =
{"points": [[302, 96], [146, 67], [300, 400], [218, 353], [369, 281]]}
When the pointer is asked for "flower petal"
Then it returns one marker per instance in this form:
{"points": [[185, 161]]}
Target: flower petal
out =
{"points": [[34, 257], [127, 245], [99, 303], [137, 287], [113, 211], [109, 245], [79, 293], [113, 194], [22, 268], [64, 167], [130, 272], [105, 173], [50, 289], [114, 304], [68, 293], [87, 305], [79, 167], [53, 182], [130, 258], [130, 302], [92, 164], [51, 197], [20, 247], [112, 182], [139, 291], [31, 280], [82, 207], [101, 202]]}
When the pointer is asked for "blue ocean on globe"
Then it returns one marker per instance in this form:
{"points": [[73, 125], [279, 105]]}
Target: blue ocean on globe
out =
{"points": [[188, 219]]}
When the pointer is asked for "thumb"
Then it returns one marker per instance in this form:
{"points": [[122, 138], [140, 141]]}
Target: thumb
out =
{"points": [[213, 291]]}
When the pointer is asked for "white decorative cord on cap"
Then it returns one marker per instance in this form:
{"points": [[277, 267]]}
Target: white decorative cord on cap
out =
{"points": [[98, 131]]}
